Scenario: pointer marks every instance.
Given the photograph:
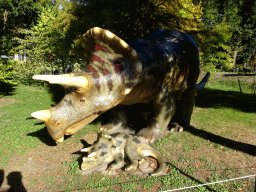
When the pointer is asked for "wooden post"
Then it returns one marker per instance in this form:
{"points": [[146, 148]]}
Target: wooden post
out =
{"points": [[239, 85]]}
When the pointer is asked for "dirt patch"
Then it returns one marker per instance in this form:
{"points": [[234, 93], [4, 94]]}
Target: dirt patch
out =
{"points": [[37, 163], [34, 89], [4, 102], [36, 170]]}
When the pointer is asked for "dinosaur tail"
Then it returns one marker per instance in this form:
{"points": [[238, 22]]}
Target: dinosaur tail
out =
{"points": [[200, 86], [160, 159]]}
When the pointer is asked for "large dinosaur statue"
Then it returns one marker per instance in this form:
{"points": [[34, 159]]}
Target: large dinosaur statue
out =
{"points": [[160, 70], [115, 147]]}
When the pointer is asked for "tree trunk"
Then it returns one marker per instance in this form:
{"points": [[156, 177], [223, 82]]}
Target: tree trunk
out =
{"points": [[234, 60]]}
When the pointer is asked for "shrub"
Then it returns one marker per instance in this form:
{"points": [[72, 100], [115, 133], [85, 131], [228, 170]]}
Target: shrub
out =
{"points": [[25, 71], [209, 67], [7, 71]]}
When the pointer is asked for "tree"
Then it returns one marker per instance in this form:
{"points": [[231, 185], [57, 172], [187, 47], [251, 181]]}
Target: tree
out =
{"points": [[215, 50], [20, 14], [132, 19], [46, 42], [240, 16], [248, 13]]}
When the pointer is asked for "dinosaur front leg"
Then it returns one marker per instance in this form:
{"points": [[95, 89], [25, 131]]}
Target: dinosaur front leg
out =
{"points": [[131, 151], [164, 109], [118, 164]]}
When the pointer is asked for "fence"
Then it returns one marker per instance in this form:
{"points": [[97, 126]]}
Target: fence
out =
{"points": [[223, 181]]}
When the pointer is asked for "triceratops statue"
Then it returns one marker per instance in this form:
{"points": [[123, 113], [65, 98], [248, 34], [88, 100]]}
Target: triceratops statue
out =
{"points": [[160, 70]]}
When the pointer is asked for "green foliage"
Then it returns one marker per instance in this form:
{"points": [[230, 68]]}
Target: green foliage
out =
{"points": [[52, 35], [214, 48], [20, 14], [208, 67], [248, 24], [240, 16], [7, 71], [133, 19], [25, 71], [46, 42]]}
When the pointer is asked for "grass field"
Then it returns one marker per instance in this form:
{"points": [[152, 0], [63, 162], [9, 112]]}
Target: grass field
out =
{"points": [[220, 144]]}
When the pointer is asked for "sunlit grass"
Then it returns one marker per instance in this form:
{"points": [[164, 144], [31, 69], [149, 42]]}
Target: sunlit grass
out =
{"points": [[220, 109]]}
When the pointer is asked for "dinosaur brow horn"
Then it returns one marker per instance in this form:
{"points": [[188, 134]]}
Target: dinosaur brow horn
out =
{"points": [[67, 79]]}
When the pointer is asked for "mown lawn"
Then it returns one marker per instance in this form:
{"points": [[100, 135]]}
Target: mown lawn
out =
{"points": [[219, 145]]}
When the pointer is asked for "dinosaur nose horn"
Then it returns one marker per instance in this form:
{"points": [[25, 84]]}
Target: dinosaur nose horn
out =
{"points": [[67, 79], [43, 115]]}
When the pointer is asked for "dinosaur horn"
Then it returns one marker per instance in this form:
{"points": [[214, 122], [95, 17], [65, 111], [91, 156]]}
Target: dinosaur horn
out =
{"points": [[84, 150], [43, 115], [91, 154], [88, 149], [67, 79]]}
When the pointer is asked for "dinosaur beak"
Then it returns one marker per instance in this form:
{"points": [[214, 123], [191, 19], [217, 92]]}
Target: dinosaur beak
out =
{"points": [[67, 80], [43, 115]]}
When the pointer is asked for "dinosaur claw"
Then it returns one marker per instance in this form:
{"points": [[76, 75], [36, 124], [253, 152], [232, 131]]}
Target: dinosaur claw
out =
{"points": [[109, 171], [105, 128]]}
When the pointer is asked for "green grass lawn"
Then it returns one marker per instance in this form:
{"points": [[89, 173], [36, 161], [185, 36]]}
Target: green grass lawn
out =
{"points": [[219, 145], [16, 122]]}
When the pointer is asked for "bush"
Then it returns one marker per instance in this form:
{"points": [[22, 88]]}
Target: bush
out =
{"points": [[7, 71], [25, 71], [209, 67]]}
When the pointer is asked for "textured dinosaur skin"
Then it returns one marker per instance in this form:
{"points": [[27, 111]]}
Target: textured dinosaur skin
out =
{"points": [[114, 147], [158, 72]]}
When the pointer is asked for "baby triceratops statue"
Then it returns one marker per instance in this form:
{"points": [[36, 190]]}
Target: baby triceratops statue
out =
{"points": [[115, 147]]}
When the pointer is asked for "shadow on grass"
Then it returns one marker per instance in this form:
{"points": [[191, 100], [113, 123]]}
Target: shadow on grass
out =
{"points": [[57, 92], [215, 98], [44, 136], [6, 89], [232, 144], [14, 180]]}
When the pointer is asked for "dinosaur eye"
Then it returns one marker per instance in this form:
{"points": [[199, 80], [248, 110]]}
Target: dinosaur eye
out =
{"points": [[82, 100]]}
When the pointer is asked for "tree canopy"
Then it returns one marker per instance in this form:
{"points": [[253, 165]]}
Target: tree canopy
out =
{"points": [[51, 30], [15, 14]]}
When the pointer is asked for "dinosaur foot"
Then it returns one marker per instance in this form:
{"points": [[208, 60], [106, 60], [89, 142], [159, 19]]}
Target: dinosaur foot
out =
{"points": [[116, 129], [175, 127], [131, 168], [152, 135], [106, 128]]}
